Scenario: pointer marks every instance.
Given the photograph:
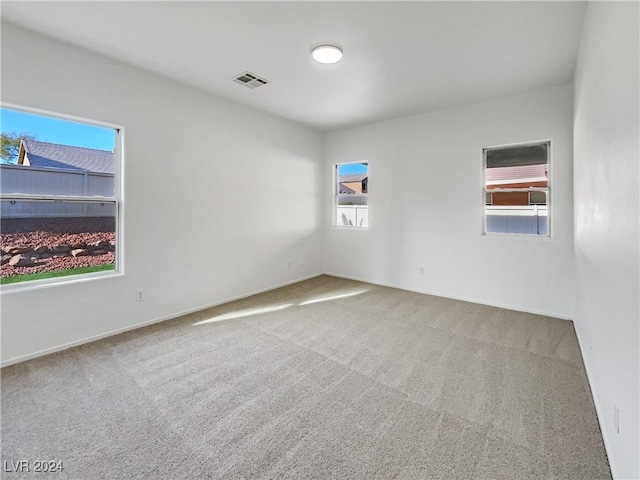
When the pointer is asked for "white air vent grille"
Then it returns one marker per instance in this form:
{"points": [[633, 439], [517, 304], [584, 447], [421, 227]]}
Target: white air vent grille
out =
{"points": [[250, 80]]}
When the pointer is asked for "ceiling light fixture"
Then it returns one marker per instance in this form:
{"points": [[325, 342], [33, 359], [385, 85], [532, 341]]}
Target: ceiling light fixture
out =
{"points": [[327, 53]]}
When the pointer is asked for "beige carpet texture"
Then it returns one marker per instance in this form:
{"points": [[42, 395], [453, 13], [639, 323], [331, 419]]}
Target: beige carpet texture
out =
{"points": [[323, 379]]}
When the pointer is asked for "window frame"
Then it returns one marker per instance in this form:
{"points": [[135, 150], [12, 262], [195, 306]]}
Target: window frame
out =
{"points": [[546, 189], [336, 194], [117, 201]]}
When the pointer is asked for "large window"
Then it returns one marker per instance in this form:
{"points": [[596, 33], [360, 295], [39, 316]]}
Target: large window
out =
{"points": [[59, 195], [517, 189], [351, 189]]}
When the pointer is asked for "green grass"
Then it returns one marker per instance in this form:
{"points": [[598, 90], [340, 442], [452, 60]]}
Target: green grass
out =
{"points": [[56, 273]]}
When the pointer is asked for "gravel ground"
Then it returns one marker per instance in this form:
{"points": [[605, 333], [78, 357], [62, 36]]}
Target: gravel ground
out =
{"points": [[49, 232]]}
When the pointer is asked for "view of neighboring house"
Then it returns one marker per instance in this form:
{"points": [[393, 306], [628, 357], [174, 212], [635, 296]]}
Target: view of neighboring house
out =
{"points": [[349, 184], [51, 155], [351, 199], [62, 170], [521, 176]]}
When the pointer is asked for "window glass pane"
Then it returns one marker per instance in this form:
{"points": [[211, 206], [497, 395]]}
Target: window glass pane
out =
{"points": [[511, 173], [47, 239], [353, 215], [37, 140], [518, 155], [517, 167], [528, 220], [48, 158], [352, 187], [352, 178]]}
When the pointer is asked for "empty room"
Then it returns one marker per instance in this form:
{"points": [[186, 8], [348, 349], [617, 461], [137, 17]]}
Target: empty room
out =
{"points": [[330, 240]]}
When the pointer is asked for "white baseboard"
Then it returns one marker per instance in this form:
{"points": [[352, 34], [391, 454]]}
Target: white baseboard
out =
{"points": [[599, 412], [454, 297], [93, 338], [136, 326]]}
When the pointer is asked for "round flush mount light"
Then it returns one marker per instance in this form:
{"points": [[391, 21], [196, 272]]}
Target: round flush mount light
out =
{"points": [[327, 53]]}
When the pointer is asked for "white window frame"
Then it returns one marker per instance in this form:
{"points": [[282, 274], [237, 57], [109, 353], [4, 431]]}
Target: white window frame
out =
{"points": [[546, 189], [336, 194], [116, 201]]}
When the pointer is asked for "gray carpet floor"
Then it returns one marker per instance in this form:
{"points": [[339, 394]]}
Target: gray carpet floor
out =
{"points": [[326, 378]]}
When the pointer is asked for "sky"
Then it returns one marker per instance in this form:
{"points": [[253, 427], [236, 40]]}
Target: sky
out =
{"points": [[352, 169], [55, 130]]}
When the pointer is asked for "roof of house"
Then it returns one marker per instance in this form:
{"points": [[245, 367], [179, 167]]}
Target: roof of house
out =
{"points": [[510, 174], [52, 155]]}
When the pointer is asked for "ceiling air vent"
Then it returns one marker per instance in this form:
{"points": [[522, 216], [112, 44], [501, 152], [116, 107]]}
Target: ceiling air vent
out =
{"points": [[250, 80]]}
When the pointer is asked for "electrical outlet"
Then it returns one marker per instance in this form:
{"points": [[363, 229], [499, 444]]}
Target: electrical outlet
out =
{"points": [[421, 270], [139, 295], [288, 263], [616, 417]]}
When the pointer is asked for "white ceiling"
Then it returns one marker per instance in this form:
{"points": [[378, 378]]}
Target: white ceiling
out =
{"points": [[400, 58]]}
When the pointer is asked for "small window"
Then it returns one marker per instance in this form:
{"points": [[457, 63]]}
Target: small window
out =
{"points": [[59, 197], [537, 198], [351, 195], [517, 189]]}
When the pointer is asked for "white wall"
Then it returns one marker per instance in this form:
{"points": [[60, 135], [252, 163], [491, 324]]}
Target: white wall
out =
{"points": [[426, 205], [218, 197], [606, 222]]}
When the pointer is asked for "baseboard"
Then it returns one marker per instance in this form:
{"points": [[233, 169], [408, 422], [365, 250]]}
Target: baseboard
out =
{"points": [[59, 348], [128, 328], [599, 412], [453, 297]]}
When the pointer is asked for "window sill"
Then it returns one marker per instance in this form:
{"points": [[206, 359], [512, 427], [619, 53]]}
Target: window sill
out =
{"points": [[526, 236], [58, 281]]}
